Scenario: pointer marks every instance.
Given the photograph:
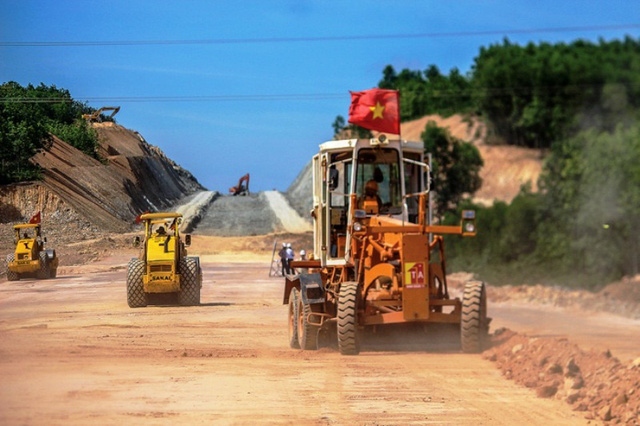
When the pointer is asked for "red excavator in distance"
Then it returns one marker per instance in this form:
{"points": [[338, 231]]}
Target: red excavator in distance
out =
{"points": [[241, 189]]}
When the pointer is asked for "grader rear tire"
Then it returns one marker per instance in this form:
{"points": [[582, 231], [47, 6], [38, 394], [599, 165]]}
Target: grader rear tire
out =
{"points": [[293, 317], [136, 297], [307, 332], [190, 282], [348, 319], [474, 329], [11, 276]]}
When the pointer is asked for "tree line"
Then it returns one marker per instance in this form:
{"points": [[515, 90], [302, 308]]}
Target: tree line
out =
{"points": [[531, 95]]}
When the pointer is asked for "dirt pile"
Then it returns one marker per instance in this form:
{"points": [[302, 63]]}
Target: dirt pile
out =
{"points": [[621, 297], [591, 382]]}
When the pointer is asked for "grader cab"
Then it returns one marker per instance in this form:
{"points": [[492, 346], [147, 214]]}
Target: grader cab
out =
{"points": [[163, 265], [30, 257], [378, 260]]}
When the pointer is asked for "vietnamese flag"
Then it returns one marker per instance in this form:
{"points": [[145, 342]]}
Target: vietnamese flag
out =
{"points": [[376, 109], [35, 218]]}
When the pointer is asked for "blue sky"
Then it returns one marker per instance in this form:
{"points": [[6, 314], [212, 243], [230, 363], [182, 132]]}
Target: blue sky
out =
{"points": [[230, 87]]}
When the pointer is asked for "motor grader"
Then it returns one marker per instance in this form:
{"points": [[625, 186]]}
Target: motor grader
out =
{"points": [[30, 257], [378, 259], [163, 266]]}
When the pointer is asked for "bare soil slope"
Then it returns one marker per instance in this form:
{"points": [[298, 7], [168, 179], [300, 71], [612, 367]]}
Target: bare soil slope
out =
{"points": [[134, 177], [506, 168]]}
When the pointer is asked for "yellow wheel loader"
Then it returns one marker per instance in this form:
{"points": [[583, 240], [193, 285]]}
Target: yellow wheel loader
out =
{"points": [[377, 258], [163, 265], [30, 258]]}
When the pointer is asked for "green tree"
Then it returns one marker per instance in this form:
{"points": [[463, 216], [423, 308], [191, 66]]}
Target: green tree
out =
{"points": [[429, 91], [343, 130], [28, 117], [455, 167], [589, 203], [534, 95], [22, 133]]}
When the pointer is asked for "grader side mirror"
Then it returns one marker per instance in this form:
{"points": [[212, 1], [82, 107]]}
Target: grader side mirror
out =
{"points": [[187, 240], [136, 241], [333, 178]]}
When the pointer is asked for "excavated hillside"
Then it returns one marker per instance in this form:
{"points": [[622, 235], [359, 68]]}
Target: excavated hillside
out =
{"points": [[134, 177], [94, 203]]}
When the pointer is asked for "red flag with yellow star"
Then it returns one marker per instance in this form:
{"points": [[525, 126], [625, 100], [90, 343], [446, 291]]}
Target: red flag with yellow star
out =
{"points": [[376, 109], [36, 218]]}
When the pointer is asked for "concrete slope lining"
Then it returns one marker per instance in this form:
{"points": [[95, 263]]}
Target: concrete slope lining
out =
{"points": [[290, 219], [193, 210]]}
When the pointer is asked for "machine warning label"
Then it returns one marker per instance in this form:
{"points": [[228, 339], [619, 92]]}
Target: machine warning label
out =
{"points": [[414, 274]]}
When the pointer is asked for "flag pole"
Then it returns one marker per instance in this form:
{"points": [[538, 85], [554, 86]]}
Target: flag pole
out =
{"points": [[399, 117]]}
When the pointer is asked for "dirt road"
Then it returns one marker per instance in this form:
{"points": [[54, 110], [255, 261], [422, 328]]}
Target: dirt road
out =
{"points": [[74, 353]]}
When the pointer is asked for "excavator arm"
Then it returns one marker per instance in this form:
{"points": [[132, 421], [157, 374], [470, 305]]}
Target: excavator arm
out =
{"points": [[95, 116], [241, 189]]}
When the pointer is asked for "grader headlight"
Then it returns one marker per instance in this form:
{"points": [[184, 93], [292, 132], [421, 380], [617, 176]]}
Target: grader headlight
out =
{"points": [[468, 223], [469, 228]]}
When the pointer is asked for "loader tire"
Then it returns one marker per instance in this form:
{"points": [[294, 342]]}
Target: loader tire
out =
{"points": [[307, 332], [136, 297], [190, 282], [348, 319], [293, 318], [474, 325], [45, 269], [11, 276]]}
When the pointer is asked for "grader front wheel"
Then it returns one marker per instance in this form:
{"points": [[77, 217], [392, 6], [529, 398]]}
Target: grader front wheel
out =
{"points": [[307, 332], [474, 326], [348, 319]]}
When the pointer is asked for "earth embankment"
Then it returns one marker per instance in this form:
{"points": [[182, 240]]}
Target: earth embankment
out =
{"points": [[260, 213], [133, 177]]}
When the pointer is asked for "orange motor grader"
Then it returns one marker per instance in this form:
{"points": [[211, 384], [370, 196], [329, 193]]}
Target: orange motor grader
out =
{"points": [[377, 258]]}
